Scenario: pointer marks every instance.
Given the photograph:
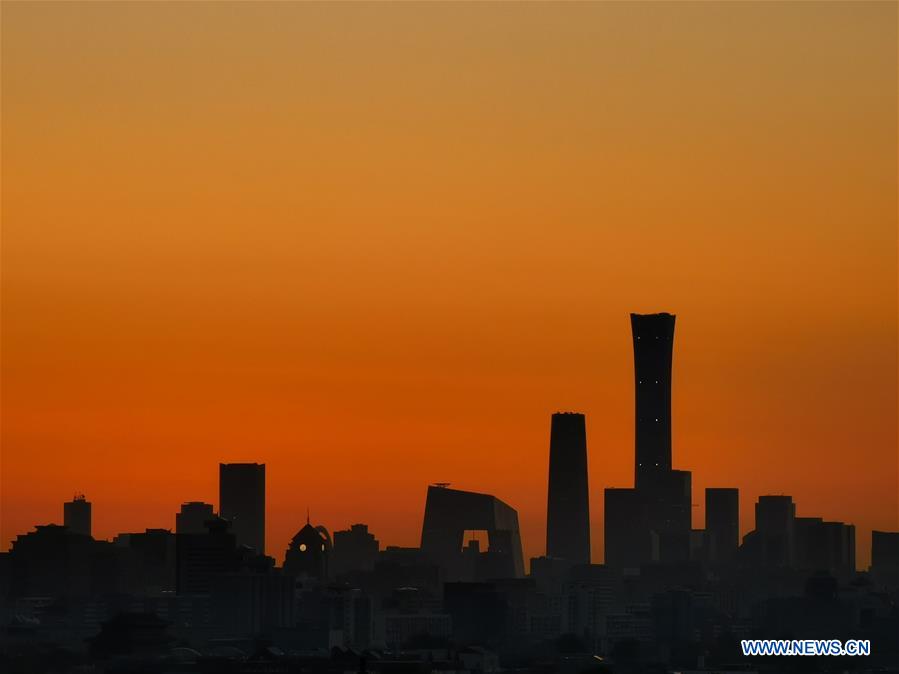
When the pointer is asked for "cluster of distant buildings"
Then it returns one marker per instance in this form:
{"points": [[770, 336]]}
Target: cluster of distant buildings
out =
{"points": [[666, 593]]}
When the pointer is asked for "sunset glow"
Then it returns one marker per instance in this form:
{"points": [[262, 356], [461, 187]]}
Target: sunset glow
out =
{"points": [[376, 246]]}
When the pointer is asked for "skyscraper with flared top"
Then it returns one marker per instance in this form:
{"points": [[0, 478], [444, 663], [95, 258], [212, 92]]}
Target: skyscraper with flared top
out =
{"points": [[653, 336], [568, 503]]}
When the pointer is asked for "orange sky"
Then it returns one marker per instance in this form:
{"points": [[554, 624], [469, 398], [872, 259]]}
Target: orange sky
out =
{"points": [[377, 245]]}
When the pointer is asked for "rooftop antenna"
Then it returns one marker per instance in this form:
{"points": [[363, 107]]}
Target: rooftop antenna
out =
{"points": [[442, 485], [307, 514]]}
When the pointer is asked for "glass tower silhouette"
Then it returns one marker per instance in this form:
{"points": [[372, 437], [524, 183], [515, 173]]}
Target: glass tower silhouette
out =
{"points": [[568, 502], [653, 336]]}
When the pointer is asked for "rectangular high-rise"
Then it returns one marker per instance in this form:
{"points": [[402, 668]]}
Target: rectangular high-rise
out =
{"points": [[653, 337], [722, 523], [242, 502], [77, 515], [670, 514], [568, 502], [885, 558], [824, 546], [775, 521], [629, 541]]}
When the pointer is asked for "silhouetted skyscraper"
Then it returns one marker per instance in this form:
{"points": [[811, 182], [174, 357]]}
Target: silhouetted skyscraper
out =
{"points": [[653, 337], [77, 515], [242, 502], [775, 514], [775, 527], [722, 523], [629, 542], [568, 505], [193, 517], [885, 557], [671, 514], [824, 546]]}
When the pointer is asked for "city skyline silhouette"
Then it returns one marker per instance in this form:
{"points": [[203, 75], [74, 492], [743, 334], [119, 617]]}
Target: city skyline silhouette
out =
{"points": [[537, 337], [666, 593], [533, 548], [242, 495]]}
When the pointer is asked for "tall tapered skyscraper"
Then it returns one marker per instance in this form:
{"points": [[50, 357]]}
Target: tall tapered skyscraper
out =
{"points": [[242, 502], [653, 336], [568, 505]]}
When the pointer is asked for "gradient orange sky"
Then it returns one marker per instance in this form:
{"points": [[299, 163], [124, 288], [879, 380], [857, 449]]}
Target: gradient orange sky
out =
{"points": [[377, 245]]}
